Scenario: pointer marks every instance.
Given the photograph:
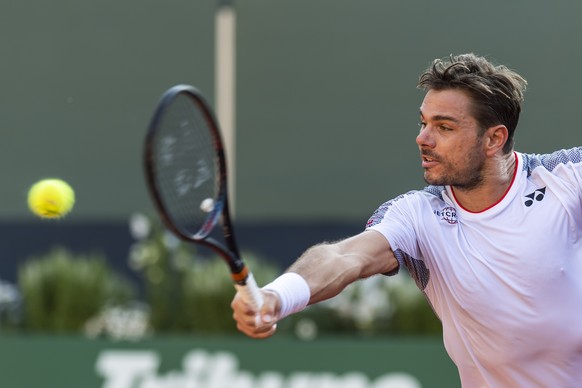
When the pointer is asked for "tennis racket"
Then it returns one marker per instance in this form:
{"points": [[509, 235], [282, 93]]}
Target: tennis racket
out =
{"points": [[185, 168]]}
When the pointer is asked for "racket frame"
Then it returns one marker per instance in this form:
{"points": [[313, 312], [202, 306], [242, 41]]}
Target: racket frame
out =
{"points": [[243, 279]]}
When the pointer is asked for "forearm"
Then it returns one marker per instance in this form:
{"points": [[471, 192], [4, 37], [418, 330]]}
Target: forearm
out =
{"points": [[320, 273], [326, 270]]}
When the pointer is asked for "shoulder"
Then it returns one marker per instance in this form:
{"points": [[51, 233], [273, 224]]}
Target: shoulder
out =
{"points": [[411, 201], [550, 162]]}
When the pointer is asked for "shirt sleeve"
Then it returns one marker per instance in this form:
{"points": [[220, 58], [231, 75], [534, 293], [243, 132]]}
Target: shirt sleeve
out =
{"points": [[566, 164], [396, 221]]}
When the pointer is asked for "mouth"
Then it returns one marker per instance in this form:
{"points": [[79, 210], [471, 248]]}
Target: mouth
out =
{"points": [[428, 161]]}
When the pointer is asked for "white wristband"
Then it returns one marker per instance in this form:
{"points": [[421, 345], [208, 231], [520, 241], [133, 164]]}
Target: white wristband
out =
{"points": [[293, 292]]}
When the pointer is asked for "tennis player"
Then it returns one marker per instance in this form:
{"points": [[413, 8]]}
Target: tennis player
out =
{"points": [[494, 241]]}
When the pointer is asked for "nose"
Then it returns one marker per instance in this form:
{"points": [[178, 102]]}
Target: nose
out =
{"points": [[425, 138]]}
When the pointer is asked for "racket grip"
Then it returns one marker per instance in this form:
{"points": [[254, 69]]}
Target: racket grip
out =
{"points": [[250, 292]]}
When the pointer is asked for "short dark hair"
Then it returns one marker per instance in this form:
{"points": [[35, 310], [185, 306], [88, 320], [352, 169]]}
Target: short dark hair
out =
{"points": [[497, 91]]}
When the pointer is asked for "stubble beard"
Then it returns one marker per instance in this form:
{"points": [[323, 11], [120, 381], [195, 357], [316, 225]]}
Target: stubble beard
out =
{"points": [[463, 176]]}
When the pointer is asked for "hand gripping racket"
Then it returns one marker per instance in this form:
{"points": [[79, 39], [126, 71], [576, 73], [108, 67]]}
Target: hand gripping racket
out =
{"points": [[186, 174]]}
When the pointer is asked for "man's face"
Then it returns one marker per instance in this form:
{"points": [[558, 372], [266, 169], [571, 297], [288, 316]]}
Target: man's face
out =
{"points": [[449, 141]]}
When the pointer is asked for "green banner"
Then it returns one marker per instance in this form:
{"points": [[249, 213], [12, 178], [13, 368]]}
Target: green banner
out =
{"points": [[225, 362]]}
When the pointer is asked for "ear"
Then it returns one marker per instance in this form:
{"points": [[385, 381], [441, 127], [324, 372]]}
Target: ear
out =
{"points": [[494, 139]]}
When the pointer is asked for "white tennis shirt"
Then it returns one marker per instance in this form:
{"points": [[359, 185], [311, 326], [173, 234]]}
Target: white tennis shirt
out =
{"points": [[505, 282]]}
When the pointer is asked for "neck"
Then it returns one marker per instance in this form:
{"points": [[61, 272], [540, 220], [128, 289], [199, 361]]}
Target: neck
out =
{"points": [[497, 179]]}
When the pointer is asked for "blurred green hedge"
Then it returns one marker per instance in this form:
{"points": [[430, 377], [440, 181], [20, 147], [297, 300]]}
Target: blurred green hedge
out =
{"points": [[61, 291], [185, 291]]}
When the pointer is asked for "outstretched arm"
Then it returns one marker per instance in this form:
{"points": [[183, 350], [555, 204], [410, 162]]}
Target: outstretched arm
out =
{"points": [[329, 268], [326, 269]]}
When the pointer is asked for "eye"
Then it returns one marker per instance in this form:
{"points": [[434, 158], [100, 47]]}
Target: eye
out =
{"points": [[422, 124], [443, 127]]}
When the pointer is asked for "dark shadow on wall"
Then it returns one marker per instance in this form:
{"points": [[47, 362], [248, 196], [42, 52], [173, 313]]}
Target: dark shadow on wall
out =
{"points": [[279, 243]]}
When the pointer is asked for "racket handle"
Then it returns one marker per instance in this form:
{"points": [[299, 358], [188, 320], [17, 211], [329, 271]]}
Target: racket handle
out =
{"points": [[250, 292]]}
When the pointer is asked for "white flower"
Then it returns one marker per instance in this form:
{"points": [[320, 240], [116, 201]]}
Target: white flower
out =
{"points": [[139, 226], [120, 322]]}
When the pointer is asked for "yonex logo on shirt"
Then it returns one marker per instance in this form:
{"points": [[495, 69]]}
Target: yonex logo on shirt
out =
{"points": [[537, 195], [448, 214]]}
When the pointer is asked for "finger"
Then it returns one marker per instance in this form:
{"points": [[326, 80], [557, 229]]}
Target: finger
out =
{"points": [[239, 305], [259, 333], [247, 319], [253, 323], [272, 330]]}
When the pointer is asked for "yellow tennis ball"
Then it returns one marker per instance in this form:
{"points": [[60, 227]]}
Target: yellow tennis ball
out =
{"points": [[51, 198]]}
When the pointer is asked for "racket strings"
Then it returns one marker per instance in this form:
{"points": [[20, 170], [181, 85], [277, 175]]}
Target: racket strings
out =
{"points": [[187, 167]]}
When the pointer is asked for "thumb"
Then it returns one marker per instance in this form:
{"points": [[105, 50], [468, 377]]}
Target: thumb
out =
{"points": [[269, 310]]}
